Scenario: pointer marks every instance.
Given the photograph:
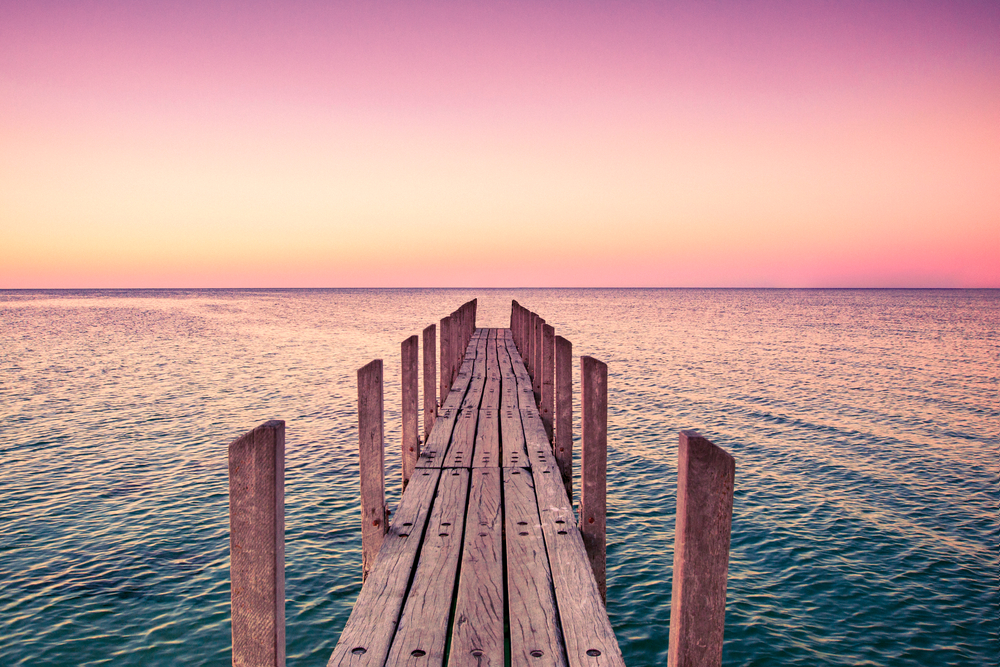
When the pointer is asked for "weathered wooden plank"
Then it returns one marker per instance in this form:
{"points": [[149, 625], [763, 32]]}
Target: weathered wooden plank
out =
{"points": [[508, 381], [257, 545], [430, 379], [536, 360], [463, 439], [546, 404], [705, 476], [594, 464], [491, 391], [536, 443], [586, 629], [369, 631], [371, 447], [410, 352], [564, 413], [535, 637], [478, 628], [423, 626], [525, 394]]}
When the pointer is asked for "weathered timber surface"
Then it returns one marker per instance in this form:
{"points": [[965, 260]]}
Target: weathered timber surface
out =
{"points": [[478, 627], [445, 378], [257, 545], [563, 447], [701, 552], [371, 449], [430, 379], [535, 637], [594, 465], [422, 632], [369, 631], [441, 596], [409, 351], [546, 406]]}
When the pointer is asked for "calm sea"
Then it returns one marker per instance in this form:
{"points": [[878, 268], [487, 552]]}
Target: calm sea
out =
{"points": [[865, 426]]}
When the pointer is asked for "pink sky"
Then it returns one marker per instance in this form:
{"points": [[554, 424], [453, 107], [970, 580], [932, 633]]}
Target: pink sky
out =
{"points": [[499, 144]]}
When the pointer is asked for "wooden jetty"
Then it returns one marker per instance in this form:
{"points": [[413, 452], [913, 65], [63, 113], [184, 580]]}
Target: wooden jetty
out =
{"points": [[484, 561]]}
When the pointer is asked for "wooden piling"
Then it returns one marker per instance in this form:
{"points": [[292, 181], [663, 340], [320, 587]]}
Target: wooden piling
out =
{"points": [[430, 379], [445, 359], [527, 355], [372, 453], [564, 412], [536, 379], [594, 464], [257, 545], [546, 407], [705, 475], [410, 352]]}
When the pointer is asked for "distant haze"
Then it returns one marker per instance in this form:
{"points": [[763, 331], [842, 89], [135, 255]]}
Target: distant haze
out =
{"points": [[499, 144]]}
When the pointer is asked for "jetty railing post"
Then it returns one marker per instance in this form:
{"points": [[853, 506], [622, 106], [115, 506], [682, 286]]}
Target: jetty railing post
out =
{"points": [[430, 380], [257, 545], [594, 464], [536, 380], [372, 459], [445, 359], [528, 344], [564, 412], [547, 405], [475, 310], [705, 475], [410, 352]]}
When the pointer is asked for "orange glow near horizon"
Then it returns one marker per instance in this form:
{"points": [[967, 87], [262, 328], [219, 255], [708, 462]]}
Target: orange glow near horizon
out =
{"points": [[445, 146]]}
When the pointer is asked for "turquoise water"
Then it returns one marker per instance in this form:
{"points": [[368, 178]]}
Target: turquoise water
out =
{"points": [[865, 426]]}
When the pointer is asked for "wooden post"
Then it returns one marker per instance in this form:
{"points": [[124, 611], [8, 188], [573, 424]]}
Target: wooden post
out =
{"points": [[547, 406], [564, 412], [475, 310], [536, 379], [705, 476], [372, 454], [410, 352], [528, 328], [257, 545], [593, 486], [430, 380], [445, 359]]}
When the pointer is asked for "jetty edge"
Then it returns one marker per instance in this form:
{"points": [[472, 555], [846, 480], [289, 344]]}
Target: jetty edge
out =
{"points": [[484, 561]]}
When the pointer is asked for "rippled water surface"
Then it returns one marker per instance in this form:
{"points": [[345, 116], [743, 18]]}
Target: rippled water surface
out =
{"points": [[865, 426]]}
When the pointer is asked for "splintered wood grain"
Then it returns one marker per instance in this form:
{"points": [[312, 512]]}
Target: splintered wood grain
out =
{"points": [[368, 634], [459, 386], [423, 626], [512, 439], [477, 630], [586, 629], [535, 637]]}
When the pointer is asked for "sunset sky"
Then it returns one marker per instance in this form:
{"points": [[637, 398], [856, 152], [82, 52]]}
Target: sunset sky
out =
{"points": [[315, 144]]}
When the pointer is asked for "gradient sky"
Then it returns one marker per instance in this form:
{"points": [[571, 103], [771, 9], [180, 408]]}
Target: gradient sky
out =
{"points": [[218, 144]]}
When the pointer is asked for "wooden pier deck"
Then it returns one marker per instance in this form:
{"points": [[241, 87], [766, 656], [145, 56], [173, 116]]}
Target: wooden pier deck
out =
{"points": [[483, 562]]}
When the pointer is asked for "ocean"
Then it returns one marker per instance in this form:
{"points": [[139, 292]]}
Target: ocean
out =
{"points": [[865, 425]]}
